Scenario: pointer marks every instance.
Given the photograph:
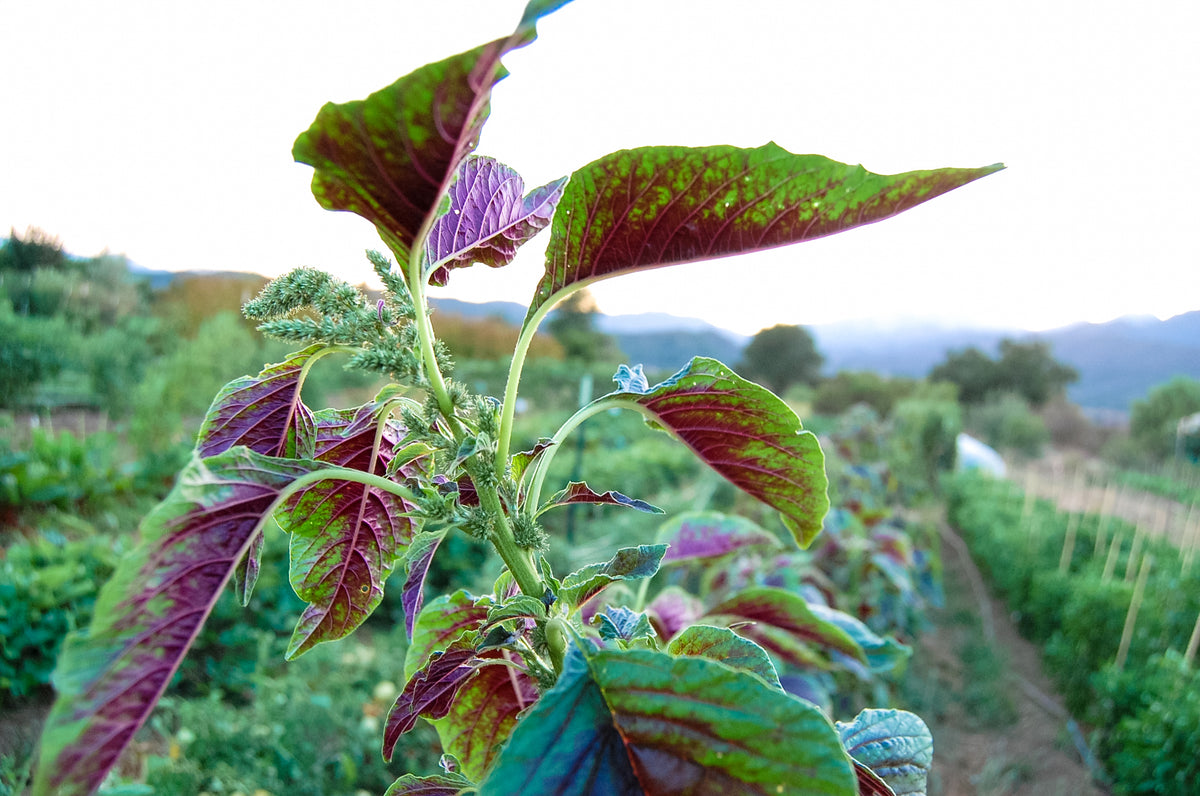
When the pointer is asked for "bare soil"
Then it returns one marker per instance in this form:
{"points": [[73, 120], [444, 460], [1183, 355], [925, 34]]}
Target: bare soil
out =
{"points": [[1034, 754]]}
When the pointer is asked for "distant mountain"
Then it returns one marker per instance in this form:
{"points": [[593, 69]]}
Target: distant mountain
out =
{"points": [[1118, 361]]}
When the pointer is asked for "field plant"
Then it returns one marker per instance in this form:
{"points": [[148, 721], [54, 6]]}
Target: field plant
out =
{"points": [[550, 683]]}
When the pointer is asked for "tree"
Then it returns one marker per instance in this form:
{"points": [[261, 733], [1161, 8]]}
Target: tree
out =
{"points": [[573, 325], [1027, 369], [782, 356], [1154, 420]]}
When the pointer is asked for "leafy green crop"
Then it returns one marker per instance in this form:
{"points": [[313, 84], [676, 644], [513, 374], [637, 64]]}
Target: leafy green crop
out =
{"points": [[527, 688]]}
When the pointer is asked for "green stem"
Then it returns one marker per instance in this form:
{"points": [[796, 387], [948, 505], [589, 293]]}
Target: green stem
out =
{"points": [[519, 560], [594, 408], [416, 286], [509, 409], [556, 642]]}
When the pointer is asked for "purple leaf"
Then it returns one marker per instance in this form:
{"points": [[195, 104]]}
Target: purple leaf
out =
{"points": [[579, 492], [419, 557], [486, 708], [628, 563], [449, 784], [345, 537], [430, 692], [869, 783], [673, 610], [389, 157], [488, 219], [783, 623], [701, 535], [521, 461], [485, 712], [265, 414], [440, 623], [262, 412], [745, 433], [110, 677], [655, 206]]}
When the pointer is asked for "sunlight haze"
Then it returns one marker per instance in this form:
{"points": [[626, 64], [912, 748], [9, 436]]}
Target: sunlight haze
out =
{"points": [[164, 131]]}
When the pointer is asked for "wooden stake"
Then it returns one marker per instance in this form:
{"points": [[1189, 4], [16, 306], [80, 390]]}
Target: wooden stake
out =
{"points": [[1064, 560], [1134, 605], [1138, 536], [1106, 511], [1110, 564], [1189, 657]]}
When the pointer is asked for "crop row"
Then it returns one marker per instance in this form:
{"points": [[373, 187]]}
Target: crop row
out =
{"points": [[1116, 613]]}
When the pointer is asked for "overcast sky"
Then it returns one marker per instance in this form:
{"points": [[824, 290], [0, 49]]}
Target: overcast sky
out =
{"points": [[164, 131]]}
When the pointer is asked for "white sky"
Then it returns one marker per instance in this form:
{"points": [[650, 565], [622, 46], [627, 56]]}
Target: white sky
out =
{"points": [[164, 131]]}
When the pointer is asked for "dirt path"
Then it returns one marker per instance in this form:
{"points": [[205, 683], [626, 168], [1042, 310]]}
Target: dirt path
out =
{"points": [[997, 728]]}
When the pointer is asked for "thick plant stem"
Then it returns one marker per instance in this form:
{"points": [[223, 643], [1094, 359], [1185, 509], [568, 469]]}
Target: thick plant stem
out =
{"points": [[509, 409], [416, 286], [519, 560]]}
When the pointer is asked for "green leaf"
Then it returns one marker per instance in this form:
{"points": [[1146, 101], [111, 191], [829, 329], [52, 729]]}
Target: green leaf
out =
{"points": [[440, 622], [883, 654], [629, 563], [655, 206], [643, 722], [722, 644], [450, 784], [783, 623], [518, 606], [894, 744], [744, 432], [622, 624], [390, 157]]}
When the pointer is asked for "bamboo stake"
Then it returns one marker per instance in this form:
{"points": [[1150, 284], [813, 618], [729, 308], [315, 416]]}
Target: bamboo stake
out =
{"points": [[1110, 564], [1068, 551], [1134, 605], [1189, 657], [1138, 535], [1106, 510], [1027, 508]]}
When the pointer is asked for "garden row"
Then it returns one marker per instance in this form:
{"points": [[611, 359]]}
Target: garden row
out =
{"points": [[1118, 615], [304, 730]]}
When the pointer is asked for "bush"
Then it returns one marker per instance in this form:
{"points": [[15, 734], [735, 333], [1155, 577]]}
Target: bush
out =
{"points": [[837, 394], [923, 440], [1006, 422], [48, 587]]}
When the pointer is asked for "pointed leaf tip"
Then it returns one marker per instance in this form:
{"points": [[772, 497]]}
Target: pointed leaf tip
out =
{"points": [[744, 432], [656, 206]]}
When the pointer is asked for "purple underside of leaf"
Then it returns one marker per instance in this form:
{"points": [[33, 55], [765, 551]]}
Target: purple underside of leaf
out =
{"points": [[869, 783], [419, 558], [488, 218], [656, 206], [345, 537], [579, 492], [701, 535], [265, 414], [262, 412], [110, 677], [388, 158], [440, 623], [748, 435], [429, 693]]}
